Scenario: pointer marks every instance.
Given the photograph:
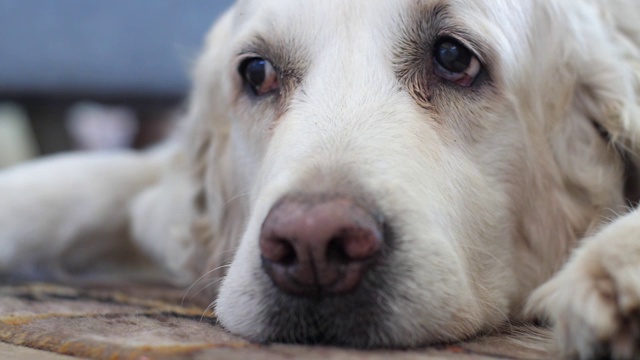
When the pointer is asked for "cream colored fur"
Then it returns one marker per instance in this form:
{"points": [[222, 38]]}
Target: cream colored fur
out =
{"points": [[490, 197]]}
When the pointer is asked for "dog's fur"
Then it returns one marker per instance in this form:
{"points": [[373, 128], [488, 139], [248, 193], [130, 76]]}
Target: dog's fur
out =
{"points": [[486, 191]]}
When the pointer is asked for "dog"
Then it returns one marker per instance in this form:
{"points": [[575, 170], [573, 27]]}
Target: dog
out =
{"points": [[386, 174]]}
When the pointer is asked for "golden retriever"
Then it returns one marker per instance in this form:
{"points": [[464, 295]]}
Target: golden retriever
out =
{"points": [[390, 173]]}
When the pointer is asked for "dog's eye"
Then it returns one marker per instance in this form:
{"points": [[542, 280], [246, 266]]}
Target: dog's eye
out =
{"points": [[260, 75], [455, 62]]}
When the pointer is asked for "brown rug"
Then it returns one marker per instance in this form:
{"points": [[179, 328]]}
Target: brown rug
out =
{"points": [[144, 323]]}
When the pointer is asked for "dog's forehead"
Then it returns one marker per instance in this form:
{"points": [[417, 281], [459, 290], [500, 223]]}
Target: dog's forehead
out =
{"points": [[328, 15], [374, 27], [314, 20]]}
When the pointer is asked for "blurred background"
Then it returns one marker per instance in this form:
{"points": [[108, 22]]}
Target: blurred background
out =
{"points": [[95, 74]]}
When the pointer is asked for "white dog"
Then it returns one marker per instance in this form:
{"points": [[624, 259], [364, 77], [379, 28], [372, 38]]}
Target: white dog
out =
{"points": [[383, 174]]}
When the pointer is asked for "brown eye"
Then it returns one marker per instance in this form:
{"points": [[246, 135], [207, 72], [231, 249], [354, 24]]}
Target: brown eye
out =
{"points": [[455, 62], [259, 75]]}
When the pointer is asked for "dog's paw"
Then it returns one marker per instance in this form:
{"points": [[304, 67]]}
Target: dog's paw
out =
{"points": [[594, 302]]}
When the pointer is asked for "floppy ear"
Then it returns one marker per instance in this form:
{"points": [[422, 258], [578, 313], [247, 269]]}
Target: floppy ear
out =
{"points": [[584, 73], [608, 91], [608, 50], [182, 220], [206, 140]]}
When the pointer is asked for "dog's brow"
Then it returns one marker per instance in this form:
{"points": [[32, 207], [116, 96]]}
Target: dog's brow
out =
{"points": [[428, 21], [285, 54]]}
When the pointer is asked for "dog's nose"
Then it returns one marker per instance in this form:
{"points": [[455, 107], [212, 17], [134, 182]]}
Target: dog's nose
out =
{"points": [[313, 245]]}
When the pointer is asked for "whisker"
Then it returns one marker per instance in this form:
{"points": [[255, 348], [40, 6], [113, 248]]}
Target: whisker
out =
{"points": [[234, 198], [197, 280], [214, 282], [210, 309]]}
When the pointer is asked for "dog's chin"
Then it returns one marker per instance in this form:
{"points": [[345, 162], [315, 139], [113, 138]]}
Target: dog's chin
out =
{"points": [[356, 320], [349, 322], [364, 319], [387, 310]]}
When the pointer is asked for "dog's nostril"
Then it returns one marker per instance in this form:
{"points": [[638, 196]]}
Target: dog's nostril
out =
{"points": [[288, 256], [336, 252], [278, 250], [313, 245]]}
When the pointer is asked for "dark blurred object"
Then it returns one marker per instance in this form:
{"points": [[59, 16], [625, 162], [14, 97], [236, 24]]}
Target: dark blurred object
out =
{"points": [[155, 117], [55, 53]]}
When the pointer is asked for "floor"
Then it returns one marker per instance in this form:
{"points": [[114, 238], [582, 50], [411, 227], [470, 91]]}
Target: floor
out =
{"points": [[156, 323]]}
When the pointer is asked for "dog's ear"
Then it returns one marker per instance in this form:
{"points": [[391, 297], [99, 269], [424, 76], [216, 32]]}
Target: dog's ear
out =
{"points": [[608, 87], [206, 141], [607, 53], [585, 71]]}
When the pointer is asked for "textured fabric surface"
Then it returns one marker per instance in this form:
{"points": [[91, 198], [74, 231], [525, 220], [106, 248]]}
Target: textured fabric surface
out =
{"points": [[155, 323]]}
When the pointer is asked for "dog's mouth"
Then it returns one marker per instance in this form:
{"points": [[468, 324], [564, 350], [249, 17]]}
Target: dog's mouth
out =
{"points": [[352, 320]]}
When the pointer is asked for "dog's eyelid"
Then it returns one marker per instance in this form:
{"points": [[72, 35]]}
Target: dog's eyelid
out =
{"points": [[465, 39], [246, 55], [262, 49]]}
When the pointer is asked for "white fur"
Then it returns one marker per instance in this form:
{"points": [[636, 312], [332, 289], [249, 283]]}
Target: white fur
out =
{"points": [[488, 195]]}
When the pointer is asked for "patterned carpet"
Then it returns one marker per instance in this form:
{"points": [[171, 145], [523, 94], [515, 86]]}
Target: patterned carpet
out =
{"points": [[144, 323]]}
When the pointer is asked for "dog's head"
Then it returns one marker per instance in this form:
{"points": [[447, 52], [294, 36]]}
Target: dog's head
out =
{"points": [[408, 171]]}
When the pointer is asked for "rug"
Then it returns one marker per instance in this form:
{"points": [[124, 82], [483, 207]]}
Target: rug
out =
{"points": [[147, 323]]}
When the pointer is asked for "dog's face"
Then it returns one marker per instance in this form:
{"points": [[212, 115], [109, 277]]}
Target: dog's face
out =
{"points": [[398, 161]]}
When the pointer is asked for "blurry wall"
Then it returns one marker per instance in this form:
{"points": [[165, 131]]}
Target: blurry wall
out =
{"points": [[101, 46], [108, 58]]}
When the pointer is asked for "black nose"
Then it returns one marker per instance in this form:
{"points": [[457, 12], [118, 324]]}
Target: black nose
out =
{"points": [[313, 245]]}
